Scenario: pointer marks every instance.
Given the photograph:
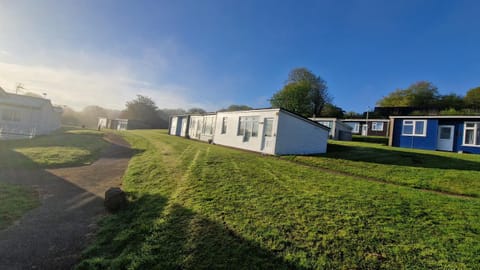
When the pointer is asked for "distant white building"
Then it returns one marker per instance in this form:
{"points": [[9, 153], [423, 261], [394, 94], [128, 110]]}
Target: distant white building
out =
{"points": [[268, 131], [25, 116], [338, 130]]}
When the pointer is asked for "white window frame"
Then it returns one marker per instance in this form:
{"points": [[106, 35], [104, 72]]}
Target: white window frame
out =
{"points": [[375, 125], [11, 115], [249, 127], [475, 129], [224, 125], [414, 128], [355, 127]]}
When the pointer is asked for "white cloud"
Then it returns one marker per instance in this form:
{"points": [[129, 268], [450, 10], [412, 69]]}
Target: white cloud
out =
{"points": [[110, 85]]}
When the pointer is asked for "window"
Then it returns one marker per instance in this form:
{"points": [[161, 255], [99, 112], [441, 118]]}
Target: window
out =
{"points": [[471, 134], [224, 125], [414, 127], [268, 127], [208, 126], [326, 123], [11, 115], [248, 127], [377, 126], [355, 127]]}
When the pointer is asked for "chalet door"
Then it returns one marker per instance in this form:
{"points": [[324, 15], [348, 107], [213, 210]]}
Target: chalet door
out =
{"points": [[364, 129], [268, 141], [445, 138]]}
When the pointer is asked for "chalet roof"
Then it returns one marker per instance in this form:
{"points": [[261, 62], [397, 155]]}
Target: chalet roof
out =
{"points": [[21, 100]]}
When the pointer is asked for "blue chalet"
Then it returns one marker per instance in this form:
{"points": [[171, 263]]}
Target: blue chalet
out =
{"points": [[444, 133]]}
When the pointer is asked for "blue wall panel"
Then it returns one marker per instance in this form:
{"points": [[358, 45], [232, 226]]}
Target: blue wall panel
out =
{"points": [[428, 142]]}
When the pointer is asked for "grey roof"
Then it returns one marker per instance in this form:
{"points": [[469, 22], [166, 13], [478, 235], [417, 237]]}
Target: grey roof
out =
{"points": [[21, 100]]}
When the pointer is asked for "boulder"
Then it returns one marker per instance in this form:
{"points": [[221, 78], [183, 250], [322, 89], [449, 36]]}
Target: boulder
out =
{"points": [[115, 199]]}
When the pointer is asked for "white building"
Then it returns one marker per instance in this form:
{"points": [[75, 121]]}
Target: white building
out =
{"points": [[25, 116], [338, 130], [268, 131]]}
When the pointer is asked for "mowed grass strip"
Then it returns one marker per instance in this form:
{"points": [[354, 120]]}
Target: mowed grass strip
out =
{"points": [[434, 170], [15, 201], [62, 149], [200, 206]]}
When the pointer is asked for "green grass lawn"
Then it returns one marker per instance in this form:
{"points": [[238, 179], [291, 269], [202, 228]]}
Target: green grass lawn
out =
{"points": [[14, 202], [439, 171], [200, 206], [62, 149]]}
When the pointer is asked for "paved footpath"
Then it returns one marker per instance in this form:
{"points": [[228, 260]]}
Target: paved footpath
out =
{"points": [[53, 235]]}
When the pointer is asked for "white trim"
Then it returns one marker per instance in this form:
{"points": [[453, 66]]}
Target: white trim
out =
{"points": [[437, 116], [414, 127], [475, 128], [375, 123]]}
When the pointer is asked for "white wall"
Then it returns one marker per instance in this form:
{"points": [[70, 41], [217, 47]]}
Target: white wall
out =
{"points": [[230, 138], [295, 136], [173, 125]]}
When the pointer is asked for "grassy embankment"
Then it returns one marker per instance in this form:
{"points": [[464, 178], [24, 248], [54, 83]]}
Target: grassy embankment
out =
{"points": [[199, 206], [62, 149], [440, 171]]}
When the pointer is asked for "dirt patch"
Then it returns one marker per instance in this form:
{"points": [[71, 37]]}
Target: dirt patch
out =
{"points": [[53, 235]]}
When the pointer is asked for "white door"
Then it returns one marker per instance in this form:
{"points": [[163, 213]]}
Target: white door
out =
{"points": [[268, 141], [445, 138], [364, 129]]}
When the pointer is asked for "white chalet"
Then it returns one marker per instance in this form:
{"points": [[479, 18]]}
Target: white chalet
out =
{"points": [[25, 116], [268, 131]]}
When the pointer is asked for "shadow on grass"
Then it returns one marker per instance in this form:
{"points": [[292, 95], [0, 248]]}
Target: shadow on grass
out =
{"points": [[392, 156], [151, 234]]}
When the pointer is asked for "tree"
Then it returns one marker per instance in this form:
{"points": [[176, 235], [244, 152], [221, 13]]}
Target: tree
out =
{"points": [[196, 111], [143, 109], [472, 98], [309, 90], [90, 114], [235, 107], [451, 101], [70, 117], [419, 94], [330, 110], [294, 97]]}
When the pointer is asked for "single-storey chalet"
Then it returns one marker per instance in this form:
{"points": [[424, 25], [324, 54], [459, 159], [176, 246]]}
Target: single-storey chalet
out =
{"points": [[120, 124], [25, 116], [338, 130], [370, 127], [445, 133], [268, 131]]}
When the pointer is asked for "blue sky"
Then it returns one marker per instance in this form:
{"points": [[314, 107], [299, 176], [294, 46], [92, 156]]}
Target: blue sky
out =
{"points": [[214, 53]]}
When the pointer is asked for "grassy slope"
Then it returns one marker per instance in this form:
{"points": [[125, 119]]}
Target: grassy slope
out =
{"points": [[65, 148], [14, 202], [200, 206], [440, 171]]}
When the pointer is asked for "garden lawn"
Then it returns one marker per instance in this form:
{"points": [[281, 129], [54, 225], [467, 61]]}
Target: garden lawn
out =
{"points": [[200, 206], [62, 149], [15, 201], [434, 170]]}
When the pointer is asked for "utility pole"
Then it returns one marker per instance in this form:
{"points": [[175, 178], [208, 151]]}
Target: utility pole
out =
{"points": [[19, 86], [366, 122]]}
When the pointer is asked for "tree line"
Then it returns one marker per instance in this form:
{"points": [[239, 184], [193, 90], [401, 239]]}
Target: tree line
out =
{"points": [[142, 108], [303, 93]]}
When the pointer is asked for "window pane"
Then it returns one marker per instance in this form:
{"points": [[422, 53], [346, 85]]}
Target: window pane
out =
{"points": [[469, 136], [408, 130], [268, 127], [471, 125], [419, 127], [254, 126], [224, 125], [445, 133], [241, 126], [477, 140]]}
